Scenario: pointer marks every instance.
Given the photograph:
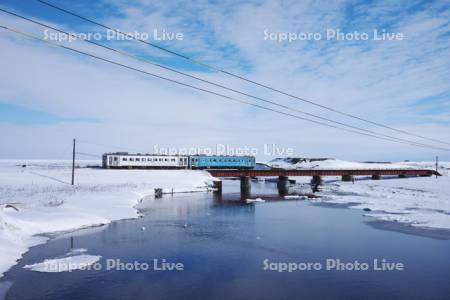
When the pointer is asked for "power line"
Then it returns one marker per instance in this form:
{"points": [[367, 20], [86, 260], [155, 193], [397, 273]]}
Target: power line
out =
{"points": [[88, 154], [108, 146], [140, 59], [215, 93], [200, 63]]}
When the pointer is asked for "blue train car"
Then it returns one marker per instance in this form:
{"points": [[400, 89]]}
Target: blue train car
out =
{"points": [[221, 162]]}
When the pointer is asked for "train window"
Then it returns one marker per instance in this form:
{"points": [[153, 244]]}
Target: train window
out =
{"points": [[144, 159], [124, 159], [166, 159], [138, 159], [173, 159], [115, 158], [131, 159]]}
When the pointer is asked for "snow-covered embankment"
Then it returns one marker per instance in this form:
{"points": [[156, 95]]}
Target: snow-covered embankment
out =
{"points": [[421, 201], [42, 200]]}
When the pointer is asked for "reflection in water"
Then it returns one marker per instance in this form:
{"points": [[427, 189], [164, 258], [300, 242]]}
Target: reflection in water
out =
{"points": [[4, 287], [222, 243]]}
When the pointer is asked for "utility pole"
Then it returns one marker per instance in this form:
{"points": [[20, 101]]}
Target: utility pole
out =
{"points": [[73, 162], [437, 165]]}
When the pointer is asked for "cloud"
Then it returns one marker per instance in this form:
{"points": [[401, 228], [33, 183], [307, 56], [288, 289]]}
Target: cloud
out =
{"points": [[380, 80]]}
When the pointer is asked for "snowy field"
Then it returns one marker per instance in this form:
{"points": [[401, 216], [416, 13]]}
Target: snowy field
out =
{"points": [[39, 199], [336, 164], [421, 201]]}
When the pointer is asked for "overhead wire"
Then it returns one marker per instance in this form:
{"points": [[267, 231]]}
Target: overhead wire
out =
{"points": [[207, 81], [221, 70], [212, 92]]}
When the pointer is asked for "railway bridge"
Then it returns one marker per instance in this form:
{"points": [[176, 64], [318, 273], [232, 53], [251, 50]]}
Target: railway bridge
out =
{"points": [[245, 175]]}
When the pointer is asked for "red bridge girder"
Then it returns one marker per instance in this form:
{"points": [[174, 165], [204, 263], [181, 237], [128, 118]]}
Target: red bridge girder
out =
{"points": [[354, 172]]}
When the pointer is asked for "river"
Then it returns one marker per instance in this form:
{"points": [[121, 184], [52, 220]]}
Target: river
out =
{"points": [[231, 250]]}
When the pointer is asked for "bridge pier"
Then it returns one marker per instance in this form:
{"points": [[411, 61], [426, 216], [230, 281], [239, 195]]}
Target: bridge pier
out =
{"points": [[283, 185], [245, 187], [376, 177], [218, 187], [348, 178], [317, 180]]}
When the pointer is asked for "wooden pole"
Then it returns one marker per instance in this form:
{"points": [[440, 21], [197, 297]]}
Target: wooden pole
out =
{"points": [[73, 162], [437, 166]]}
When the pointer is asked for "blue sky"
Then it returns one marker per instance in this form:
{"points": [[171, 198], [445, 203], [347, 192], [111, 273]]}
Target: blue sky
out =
{"points": [[11, 113], [401, 83]]}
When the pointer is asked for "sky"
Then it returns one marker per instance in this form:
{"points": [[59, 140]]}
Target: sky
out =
{"points": [[49, 95]]}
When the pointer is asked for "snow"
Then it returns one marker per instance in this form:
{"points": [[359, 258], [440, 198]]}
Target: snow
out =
{"points": [[248, 201], [46, 201], [289, 197], [41, 199], [419, 201], [331, 163], [64, 264]]}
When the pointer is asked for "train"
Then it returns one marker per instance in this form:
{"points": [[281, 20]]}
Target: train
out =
{"points": [[125, 160]]}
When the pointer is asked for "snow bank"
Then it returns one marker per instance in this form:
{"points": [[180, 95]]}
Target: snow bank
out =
{"points": [[46, 201], [65, 264], [420, 201], [330, 163], [248, 201]]}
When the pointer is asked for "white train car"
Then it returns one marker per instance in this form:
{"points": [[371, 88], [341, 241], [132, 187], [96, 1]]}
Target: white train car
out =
{"points": [[125, 160]]}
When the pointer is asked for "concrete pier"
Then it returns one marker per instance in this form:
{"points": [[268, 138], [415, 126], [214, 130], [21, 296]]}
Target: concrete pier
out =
{"points": [[218, 187], [376, 177], [245, 187], [348, 178], [158, 192], [283, 185], [317, 180]]}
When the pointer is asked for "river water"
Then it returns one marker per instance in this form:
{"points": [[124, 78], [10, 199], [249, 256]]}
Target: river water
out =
{"points": [[224, 247]]}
